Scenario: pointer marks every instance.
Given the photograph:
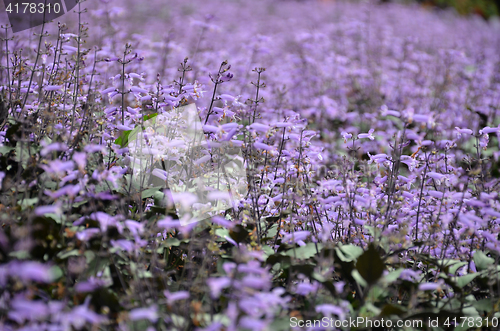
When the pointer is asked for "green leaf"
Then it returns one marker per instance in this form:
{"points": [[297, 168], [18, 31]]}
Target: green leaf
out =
{"points": [[268, 251], [272, 231], [78, 204], [464, 280], [172, 242], [393, 275], [222, 233], [358, 278], [123, 138], [483, 305], [370, 265], [28, 202], [280, 324], [348, 253], [56, 272], [20, 255], [6, 149], [304, 252], [452, 269], [482, 261], [148, 193], [65, 254], [150, 116]]}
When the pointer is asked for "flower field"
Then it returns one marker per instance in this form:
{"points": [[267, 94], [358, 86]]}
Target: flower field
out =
{"points": [[369, 136]]}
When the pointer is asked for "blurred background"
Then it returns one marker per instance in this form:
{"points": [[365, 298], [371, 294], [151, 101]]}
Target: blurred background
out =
{"points": [[483, 8]]}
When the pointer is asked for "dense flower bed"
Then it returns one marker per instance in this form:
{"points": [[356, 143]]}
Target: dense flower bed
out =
{"points": [[370, 138]]}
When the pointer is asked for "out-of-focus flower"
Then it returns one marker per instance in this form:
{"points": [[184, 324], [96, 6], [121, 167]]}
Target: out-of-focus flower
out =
{"points": [[464, 131], [368, 135], [176, 296], [150, 313]]}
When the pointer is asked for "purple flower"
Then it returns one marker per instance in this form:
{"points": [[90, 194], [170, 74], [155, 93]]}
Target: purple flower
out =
{"points": [[263, 146], [305, 288], [108, 90], [227, 97], [54, 209], [368, 135], [53, 147], [176, 296], [136, 89], [329, 310], [464, 131], [124, 127], [223, 222], [436, 176], [387, 112], [32, 271], [58, 166], [50, 88], [134, 227], [346, 136], [296, 236], [436, 194], [227, 77], [27, 310], [91, 284], [86, 234], [259, 127], [80, 315], [488, 130], [150, 313], [123, 244], [162, 174], [216, 285], [429, 286], [104, 220], [80, 159], [210, 128]]}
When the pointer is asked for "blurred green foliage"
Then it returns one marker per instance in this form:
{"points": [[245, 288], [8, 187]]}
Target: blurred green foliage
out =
{"points": [[484, 8]]}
